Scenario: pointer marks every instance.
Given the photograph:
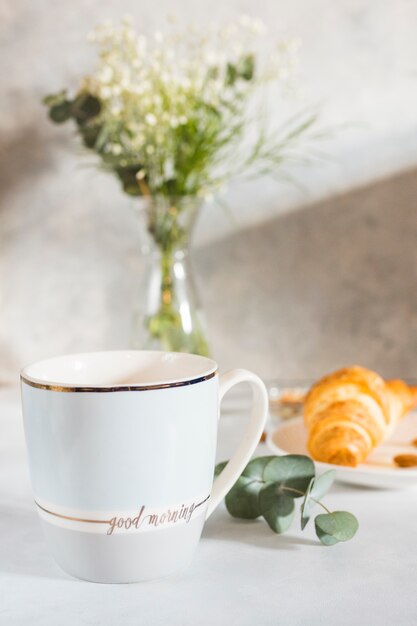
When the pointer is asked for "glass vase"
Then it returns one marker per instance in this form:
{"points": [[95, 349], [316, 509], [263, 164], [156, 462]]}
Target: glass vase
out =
{"points": [[168, 314]]}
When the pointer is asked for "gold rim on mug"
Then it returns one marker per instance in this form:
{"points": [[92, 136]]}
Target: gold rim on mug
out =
{"points": [[85, 389]]}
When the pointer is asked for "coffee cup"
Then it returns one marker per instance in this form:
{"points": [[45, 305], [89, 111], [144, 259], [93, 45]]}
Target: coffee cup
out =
{"points": [[121, 450]]}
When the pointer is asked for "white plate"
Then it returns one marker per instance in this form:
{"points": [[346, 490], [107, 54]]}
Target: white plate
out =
{"points": [[379, 469]]}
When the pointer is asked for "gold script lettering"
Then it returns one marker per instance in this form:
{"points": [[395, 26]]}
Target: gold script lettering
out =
{"points": [[169, 516]]}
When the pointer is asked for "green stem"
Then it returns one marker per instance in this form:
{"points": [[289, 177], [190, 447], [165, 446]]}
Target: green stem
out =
{"points": [[169, 225], [322, 505], [167, 287], [302, 493]]}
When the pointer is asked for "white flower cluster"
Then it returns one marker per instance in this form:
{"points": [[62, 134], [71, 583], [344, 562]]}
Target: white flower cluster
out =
{"points": [[150, 87]]}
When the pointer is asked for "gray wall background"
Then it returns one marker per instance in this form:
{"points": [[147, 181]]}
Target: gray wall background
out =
{"points": [[328, 279]]}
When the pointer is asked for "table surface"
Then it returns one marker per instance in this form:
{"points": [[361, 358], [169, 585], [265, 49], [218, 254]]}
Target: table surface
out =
{"points": [[242, 573]]}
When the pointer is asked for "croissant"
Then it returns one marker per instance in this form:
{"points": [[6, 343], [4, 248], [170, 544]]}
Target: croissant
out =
{"points": [[351, 411]]}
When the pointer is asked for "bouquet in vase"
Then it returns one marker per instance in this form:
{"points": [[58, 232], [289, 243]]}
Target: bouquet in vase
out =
{"points": [[174, 118]]}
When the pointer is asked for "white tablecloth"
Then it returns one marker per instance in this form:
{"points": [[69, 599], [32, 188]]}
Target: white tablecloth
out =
{"points": [[243, 574]]}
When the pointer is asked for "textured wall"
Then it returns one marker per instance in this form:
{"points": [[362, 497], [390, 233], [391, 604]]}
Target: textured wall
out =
{"points": [[322, 287], [326, 284], [311, 290]]}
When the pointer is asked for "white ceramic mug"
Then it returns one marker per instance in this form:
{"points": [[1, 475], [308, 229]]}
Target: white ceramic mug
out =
{"points": [[121, 453]]}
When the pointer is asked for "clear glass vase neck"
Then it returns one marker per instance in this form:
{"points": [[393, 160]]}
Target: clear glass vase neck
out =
{"points": [[169, 316], [170, 222]]}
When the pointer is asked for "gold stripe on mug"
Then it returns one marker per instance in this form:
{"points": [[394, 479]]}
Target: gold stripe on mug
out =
{"points": [[104, 389], [73, 519]]}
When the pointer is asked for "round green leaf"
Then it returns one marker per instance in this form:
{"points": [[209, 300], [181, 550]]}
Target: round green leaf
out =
{"points": [[293, 472], [256, 467], [85, 106], [322, 484], [242, 499], [60, 113], [276, 507], [316, 489], [334, 527]]}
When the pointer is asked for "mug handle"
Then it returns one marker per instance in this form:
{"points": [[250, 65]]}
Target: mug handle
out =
{"points": [[225, 481]]}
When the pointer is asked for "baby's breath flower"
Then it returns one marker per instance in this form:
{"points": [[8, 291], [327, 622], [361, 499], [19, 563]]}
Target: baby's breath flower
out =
{"points": [[116, 108], [106, 74], [176, 105], [141, 44], [150, 119], [229, 31], [105, 92], [258, 26], [237, 49]]}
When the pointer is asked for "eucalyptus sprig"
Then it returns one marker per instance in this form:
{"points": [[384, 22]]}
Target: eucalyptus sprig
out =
{"points": [[268, 487]]}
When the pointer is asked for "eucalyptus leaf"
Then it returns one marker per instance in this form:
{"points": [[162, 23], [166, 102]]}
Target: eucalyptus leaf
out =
{"points": [[85, 106], [268, 486], [242, 499], [256, 467], [307, 505], [316, 489], [293, 472], [276, 507], [219, 468], [334, 527], [60, 113], [322, 484]]}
